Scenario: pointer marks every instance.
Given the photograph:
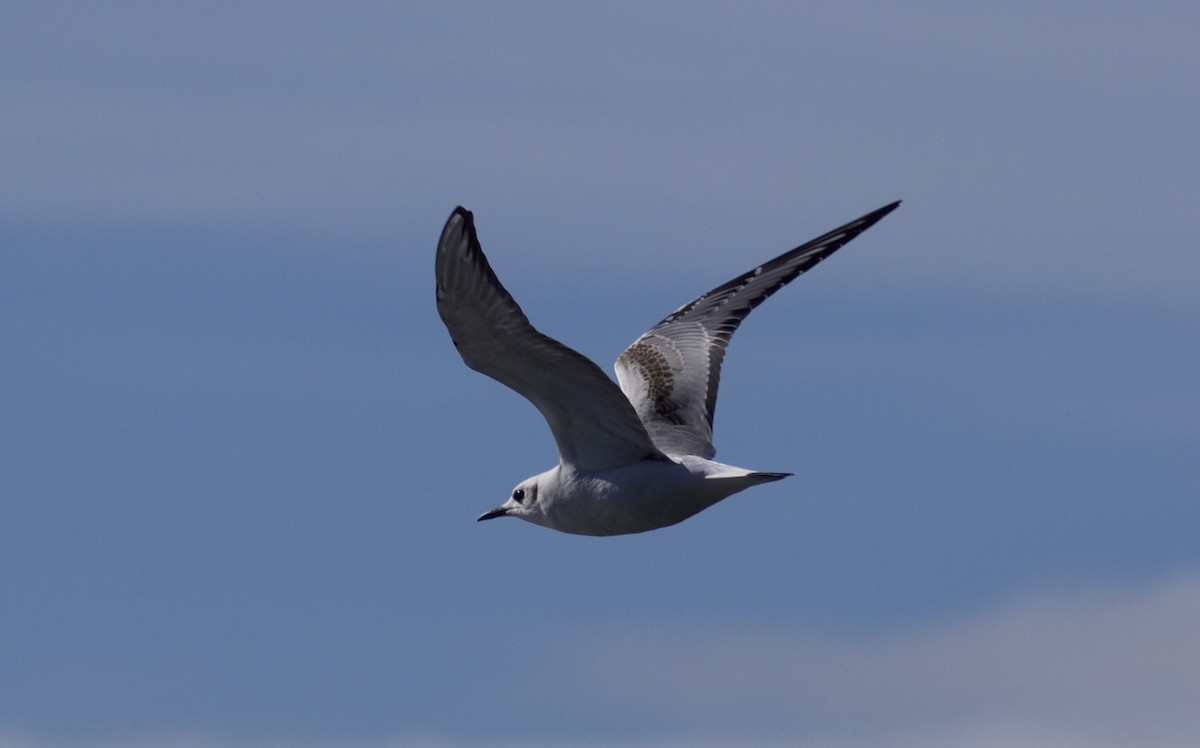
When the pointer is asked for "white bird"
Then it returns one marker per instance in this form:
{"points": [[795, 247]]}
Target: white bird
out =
{"points": [[631, 458]]}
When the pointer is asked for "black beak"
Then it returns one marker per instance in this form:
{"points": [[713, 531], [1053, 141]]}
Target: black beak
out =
{"points": [[497, 512]]}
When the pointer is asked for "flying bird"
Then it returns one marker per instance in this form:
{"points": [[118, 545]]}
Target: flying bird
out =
{"points": [[633, 457]]}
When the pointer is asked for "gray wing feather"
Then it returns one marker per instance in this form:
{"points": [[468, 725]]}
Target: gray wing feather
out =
{"points": [[594, 425], [671, 373]]}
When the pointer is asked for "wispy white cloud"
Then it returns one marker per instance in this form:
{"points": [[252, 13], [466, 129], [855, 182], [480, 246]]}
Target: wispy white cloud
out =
{"points": [[1038, 152], [1112, 667]]}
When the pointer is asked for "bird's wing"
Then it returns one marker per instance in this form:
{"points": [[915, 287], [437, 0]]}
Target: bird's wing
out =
{"points": [[594, 425], [671, 373]]}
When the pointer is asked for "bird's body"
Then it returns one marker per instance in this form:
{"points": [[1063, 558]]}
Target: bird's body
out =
{"points": [[643, 495], [631, 458]]}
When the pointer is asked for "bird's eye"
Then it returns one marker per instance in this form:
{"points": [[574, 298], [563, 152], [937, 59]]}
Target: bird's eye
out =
{"points": [[519, 494]]}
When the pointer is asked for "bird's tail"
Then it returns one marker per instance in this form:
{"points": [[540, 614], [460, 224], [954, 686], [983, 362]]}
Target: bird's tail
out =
{"points": [[759, 476]]}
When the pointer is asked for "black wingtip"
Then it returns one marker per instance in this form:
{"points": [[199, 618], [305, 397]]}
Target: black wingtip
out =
{"points": [[870, 219], [460, 220], [881, 212]]}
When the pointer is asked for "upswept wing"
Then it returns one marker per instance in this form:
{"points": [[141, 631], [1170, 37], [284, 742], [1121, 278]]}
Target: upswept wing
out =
{"points": [[594, 425], [671, 373]]}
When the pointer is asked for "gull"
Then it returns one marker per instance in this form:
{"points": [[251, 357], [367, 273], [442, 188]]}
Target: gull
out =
{"points": [[631, 458]]}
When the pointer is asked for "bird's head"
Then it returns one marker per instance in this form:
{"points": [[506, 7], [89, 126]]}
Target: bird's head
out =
{"points": [[523, 502]]}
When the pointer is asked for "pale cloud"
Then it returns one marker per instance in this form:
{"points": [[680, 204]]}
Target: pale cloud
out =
{"points": [[1114, 667]]}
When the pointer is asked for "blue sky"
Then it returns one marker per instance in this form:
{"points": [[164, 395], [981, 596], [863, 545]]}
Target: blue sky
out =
{"points": [[241, 461]]}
